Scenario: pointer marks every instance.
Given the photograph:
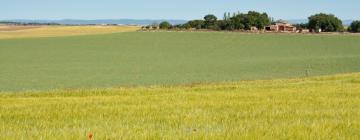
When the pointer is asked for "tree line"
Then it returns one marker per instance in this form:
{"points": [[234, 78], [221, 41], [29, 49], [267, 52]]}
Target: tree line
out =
{"points": [[236, 21], [246, 21]]}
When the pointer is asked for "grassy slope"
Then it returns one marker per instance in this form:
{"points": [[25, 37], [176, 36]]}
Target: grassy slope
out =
{"points": [[143, 58], [310, 108], [55, 31]]}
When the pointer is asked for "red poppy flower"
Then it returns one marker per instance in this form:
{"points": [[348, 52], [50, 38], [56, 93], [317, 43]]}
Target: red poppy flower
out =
{"points": [[90, 136]]}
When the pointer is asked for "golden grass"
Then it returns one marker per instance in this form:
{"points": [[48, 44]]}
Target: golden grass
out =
{"points": [[305, 108], [55, 31]]}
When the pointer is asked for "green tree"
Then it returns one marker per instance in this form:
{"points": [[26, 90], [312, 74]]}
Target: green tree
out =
{"points": [[177, 26], [264, 20], [301, 26], [237, 21], [325, 22], [225, 25], [186, 26], [210, 21], [165, 25], [252, 18], [354, 27], [259, 20], [197, 24], [226, 16]]}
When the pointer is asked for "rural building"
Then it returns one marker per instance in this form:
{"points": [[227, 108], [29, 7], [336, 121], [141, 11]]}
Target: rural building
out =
{"points": [[281, 26], [303, 30], [254, 29]]}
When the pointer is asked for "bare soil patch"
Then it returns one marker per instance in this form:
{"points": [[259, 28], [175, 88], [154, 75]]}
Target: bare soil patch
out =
{"points": [[16, 27]]}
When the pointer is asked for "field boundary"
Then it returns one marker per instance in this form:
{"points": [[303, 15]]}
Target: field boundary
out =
{"points": [[314, 79], [249, 32]]}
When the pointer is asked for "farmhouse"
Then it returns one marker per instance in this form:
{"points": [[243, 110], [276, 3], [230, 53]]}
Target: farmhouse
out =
{"points": [[281, 26]]}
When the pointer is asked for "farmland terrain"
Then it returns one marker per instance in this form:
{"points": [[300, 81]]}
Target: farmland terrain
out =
{"points": [[72, 82], [169, 58], [302, 108], [9, 32]]}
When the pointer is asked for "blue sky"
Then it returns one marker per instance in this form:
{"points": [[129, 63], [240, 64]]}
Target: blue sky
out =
{"points": [[171, 9]]}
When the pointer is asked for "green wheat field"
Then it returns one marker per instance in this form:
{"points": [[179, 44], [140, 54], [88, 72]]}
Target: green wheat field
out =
{"points": [[180, 85], [143, 59]]}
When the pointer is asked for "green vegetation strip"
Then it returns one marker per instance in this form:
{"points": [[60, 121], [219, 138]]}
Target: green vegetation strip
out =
{"points": [[168, 58], [310, 108]]}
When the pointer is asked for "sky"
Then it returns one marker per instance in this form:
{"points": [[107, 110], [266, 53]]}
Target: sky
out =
{"points": [[171, 9]]}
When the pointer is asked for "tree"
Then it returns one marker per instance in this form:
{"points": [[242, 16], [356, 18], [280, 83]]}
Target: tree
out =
{"points": [[301, 26], [165, 25], [186, 26], [253, 18], [264, 20], [197, 24], [354, 27], [325, 22], [210, 21], [177, 26], [225, 25], [237, 21], [226, 16]]}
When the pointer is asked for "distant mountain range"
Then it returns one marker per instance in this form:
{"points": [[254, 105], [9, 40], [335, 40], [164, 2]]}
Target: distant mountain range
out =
{"points": [[129, 21]]}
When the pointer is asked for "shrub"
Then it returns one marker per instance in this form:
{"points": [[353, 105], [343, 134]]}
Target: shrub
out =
{"points": [[354, 27], [165, 25]]}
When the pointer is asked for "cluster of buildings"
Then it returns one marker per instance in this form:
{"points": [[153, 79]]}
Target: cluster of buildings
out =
{"points": [[282, 26]]}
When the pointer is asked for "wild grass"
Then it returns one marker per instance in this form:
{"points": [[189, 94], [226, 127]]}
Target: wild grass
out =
{"points": [[56, 31], [303, 108]]}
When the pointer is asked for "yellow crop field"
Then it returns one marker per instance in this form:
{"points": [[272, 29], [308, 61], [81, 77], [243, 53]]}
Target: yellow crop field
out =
{"points": [[8, 32], [305, 108]]}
